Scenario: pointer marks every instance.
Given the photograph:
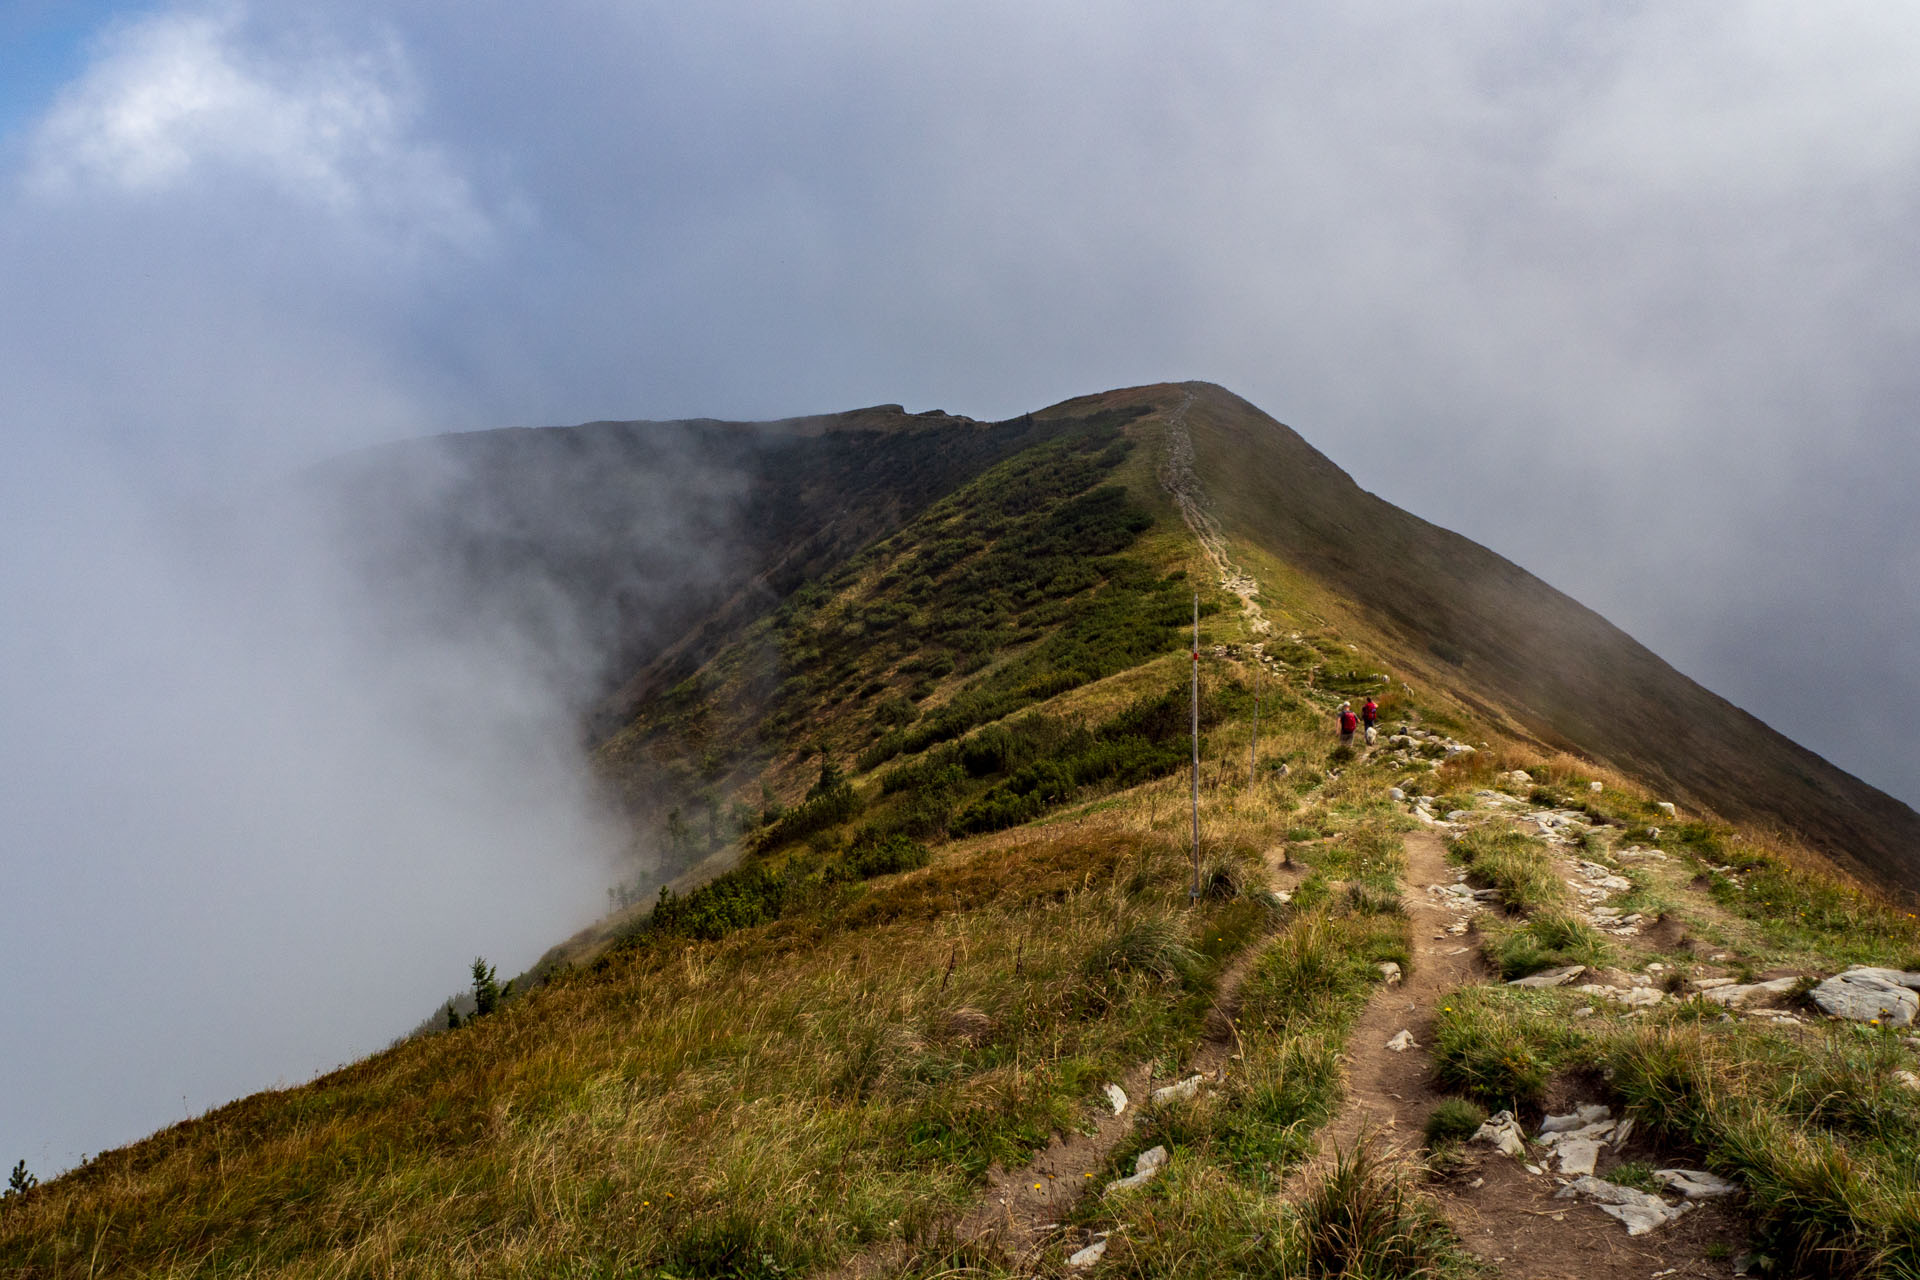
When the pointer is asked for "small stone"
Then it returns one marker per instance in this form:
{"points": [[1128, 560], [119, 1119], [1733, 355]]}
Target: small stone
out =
{"points": [[1725, 991], [1402, 1042], [1116, 1098], [1390, 973], [1145, 1166], [1550, 977], [1395, 793], [1455, 815], [1666, 807], [1089, 1255], [1177, 1092], [1502, 1130], [1596, 786], [1579, 1118], [1907, 1078], [1694, 1184]]}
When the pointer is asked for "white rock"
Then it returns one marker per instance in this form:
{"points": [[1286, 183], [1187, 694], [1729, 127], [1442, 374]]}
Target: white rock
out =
{"points": [[1862, 997], [1633, 997], [1735, 995], [1579, 1118], [1454, 815], [1596, 786], [1639, 1211], [1907, 1078], [1550, 977], [1577, 1155], [1395, 793], [1145, 1166], [1666, 807], [1089, 1255], [1402, 1042], [1389, 973], [1116, 1098], [1712, 984], [1621, 1133], [1177, 1092], [1694, 1184], [1503, 1131]]}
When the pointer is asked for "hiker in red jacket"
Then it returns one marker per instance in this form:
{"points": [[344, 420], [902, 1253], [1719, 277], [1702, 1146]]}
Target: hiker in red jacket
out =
{"points": [[1370, 714], [1348, 723]]}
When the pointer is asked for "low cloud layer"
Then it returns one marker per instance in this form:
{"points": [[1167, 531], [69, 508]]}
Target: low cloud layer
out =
{"points": [[1627, 295]]}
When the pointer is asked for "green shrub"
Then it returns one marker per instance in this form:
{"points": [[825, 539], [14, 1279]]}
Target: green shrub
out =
{"points": [[1364, 1220], [873, 855], [1454, 1120], [1153, 947]]}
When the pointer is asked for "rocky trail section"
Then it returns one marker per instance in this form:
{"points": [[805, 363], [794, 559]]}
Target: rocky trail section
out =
{"points": [[1501, 1193], [1182, 483]]}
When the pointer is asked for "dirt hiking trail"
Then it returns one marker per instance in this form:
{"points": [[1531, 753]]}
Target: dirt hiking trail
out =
{"points": [[1504, 1215]]}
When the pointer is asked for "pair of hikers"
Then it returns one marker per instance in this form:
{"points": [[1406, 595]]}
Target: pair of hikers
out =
{"points": [[1368, 717]]}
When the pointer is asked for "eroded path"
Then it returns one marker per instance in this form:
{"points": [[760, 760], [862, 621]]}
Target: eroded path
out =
{"points": [[1503, 1213], [1390, 1092]]}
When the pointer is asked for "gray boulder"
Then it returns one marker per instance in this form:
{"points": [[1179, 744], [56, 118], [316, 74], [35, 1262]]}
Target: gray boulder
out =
{"points": [[1550, 977], [1860, 996]]}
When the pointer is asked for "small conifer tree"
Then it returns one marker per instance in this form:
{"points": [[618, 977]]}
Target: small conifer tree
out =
{"points": [[453, 1017], [21, 1181], [486, 990]]}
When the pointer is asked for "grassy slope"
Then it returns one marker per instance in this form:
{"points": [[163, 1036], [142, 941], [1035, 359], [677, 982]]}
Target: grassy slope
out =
{"points": [[773, 1098], [1463, 617]]}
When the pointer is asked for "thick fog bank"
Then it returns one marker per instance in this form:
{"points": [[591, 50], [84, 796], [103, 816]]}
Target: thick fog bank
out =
{"points": [[270, 777]]}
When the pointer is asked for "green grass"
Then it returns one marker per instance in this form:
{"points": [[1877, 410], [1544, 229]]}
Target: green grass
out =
{"points": [[1548, 940], [785, 1092], [1518, 865]]}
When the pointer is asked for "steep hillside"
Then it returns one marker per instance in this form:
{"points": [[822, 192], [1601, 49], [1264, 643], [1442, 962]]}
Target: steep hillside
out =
{"points": [[637, 548], [1467, 618]]}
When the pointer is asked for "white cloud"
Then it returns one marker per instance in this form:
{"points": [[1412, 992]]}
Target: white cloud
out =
{"points": [[179, 98]]}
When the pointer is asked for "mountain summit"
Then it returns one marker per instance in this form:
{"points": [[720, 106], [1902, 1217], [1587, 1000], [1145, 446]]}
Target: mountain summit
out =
{"points": [[1008, 901]]}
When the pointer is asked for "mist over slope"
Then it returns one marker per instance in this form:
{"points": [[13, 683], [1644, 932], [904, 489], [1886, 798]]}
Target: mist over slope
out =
{"points": [[805, 495]]}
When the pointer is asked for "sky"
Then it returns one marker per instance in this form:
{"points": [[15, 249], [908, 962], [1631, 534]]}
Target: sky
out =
{"points": [[1626, 293]]}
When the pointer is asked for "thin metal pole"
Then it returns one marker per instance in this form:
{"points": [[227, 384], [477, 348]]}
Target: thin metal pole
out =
{"points": [[1253, 744], [1195, 891]]}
